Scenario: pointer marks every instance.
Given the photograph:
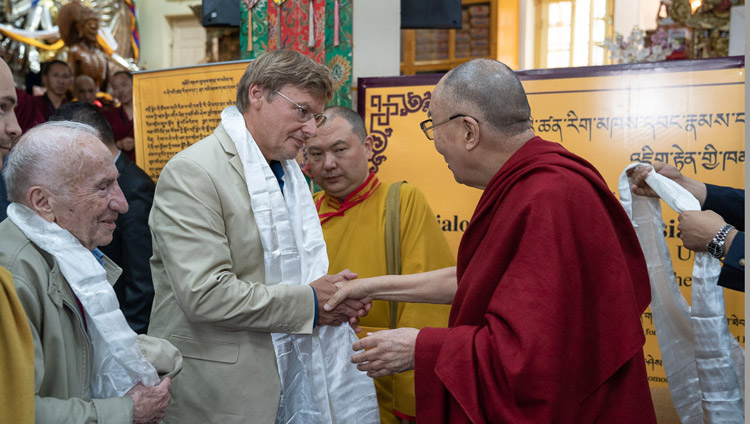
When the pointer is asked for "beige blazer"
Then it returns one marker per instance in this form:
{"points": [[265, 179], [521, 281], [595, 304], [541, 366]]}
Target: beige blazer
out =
{"points": [[211, 300]]}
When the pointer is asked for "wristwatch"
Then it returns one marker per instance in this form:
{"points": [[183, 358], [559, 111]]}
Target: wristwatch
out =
{"points": [[716, 246]]}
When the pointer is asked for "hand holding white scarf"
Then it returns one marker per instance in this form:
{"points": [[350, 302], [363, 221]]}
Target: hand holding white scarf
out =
{"points": [[704, 364]]}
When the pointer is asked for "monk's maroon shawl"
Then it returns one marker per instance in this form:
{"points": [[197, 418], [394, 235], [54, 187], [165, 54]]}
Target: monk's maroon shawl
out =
{"points": [[545, 326]]}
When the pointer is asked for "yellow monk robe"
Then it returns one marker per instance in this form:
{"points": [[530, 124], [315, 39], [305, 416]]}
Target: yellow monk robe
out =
{"points": [[355, 239], [17, 353]]}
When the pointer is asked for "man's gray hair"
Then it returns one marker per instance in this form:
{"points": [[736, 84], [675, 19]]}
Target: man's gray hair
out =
{"points": [[47, 155], [496, 92], [276, 68], [352, 117]]}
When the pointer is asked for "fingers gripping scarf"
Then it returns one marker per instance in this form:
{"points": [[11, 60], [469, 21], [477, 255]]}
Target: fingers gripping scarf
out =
{"points": [[117, 363], [318, 383], [704, 364]]}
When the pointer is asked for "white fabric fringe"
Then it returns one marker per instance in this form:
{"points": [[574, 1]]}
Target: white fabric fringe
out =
{"points": [[704, 364]]}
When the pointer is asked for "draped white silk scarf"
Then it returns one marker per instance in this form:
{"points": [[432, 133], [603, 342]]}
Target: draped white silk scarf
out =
{"points": [[704, 364], [117, 363], [318, 382]]}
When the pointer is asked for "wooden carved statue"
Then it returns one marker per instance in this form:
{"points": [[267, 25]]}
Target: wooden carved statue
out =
{"points": [[79, 26]]}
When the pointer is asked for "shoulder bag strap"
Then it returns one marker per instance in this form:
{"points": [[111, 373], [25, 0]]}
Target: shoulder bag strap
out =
{"points": [[393, 240]]}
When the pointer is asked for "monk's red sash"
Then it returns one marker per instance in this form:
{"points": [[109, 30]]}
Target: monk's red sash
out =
{"points": [[354, 198]]}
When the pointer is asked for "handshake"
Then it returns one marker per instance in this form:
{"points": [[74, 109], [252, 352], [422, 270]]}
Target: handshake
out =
{"points": [[384, 352], [344, 309]]}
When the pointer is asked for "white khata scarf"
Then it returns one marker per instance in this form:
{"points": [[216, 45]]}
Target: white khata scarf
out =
{"points": [[118, 363], [704, 364], [318, 382]]}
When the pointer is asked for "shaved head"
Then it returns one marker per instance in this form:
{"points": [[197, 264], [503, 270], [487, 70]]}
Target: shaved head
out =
{"points": [[85, 89], [494, 90], [350, 116]]}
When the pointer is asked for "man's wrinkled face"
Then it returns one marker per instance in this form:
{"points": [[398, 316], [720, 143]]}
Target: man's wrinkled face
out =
{"points": [[93, 199], [338, 159], [285, 129], [9, 129], [446, 136], [57, 79]]}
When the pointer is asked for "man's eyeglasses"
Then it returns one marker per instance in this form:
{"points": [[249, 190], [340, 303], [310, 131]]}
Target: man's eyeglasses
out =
{"points": [[303, 114], [427, 125]]}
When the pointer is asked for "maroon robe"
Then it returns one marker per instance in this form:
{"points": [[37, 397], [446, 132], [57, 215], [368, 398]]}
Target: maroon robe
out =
{"points": [[122, 126], [33, 110], [545, 325], [27, 111]]}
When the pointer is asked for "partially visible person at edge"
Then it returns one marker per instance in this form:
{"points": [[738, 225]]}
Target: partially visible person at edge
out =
{"points": [[16, 344], [352, 208], [121, 117], [130, 247], [550, 283], [718, 228]]}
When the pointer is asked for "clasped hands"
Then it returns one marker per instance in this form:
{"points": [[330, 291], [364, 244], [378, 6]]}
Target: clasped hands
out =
{"points": [[381, 353], [346, 310]]}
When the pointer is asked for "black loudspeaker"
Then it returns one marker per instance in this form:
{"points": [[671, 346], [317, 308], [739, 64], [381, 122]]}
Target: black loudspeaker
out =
{"points": [[417, 14], [221, 13]]}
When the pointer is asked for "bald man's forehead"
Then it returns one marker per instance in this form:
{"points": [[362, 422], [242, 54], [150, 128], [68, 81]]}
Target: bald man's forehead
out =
{"points": [[436, 100], [7, 87], [4, 69]]}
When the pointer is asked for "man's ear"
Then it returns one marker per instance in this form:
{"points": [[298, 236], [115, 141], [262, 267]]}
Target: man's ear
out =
{"points": [[471, 133], [255, 95], [368, 145], [41, 201]]}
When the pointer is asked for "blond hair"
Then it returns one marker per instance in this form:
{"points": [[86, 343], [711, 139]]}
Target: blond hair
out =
{"points": [[275, 69]]}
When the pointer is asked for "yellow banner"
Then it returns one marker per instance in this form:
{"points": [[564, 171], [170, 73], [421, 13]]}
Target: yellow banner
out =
{"points": [[174, 108], [689, 114]]}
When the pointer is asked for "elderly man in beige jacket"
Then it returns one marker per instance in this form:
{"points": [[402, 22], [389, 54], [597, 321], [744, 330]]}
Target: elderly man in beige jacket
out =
{"points": [[88, 367]]}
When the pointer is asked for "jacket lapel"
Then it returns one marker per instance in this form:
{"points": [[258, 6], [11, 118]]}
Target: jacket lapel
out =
{"points": [[231, 150]]}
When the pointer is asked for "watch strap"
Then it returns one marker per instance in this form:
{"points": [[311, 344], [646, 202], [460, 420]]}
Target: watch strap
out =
{"points": [[718, 241]]}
